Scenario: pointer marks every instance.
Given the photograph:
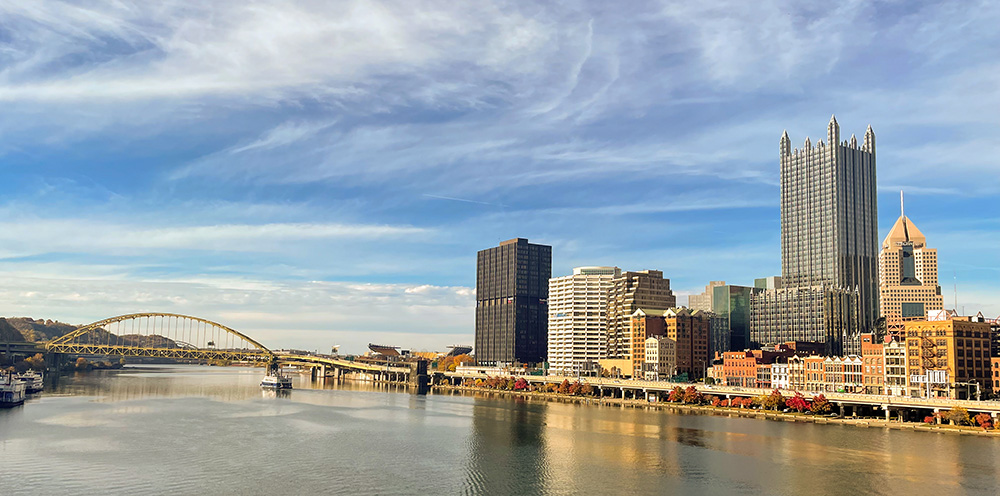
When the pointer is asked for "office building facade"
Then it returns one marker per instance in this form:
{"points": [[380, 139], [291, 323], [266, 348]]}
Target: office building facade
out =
{"points": [[630, 291], [578, 311], [512, 285], [704, 300], [732, 305]]}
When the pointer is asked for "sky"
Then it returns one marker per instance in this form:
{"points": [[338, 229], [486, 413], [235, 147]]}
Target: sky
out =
{"points": [[316, 173]]}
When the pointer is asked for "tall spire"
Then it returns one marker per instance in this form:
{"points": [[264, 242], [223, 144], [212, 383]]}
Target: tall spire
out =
{"points": [[902, 214], [869, 145], [786, 144], [833, 131]]}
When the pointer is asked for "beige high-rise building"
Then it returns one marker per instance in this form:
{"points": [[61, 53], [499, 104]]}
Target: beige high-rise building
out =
{"points": [[704, 301], [630, 291], [908, 274], [578, 306]]}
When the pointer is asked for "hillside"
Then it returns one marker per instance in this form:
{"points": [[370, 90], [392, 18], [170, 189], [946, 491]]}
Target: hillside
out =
{"points": [[9, 333], [39, 330]]}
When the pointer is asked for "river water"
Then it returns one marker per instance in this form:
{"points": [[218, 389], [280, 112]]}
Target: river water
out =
{"points": [[207, 430]]}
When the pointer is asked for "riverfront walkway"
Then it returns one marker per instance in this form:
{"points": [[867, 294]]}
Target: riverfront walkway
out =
{"points": [[657, 390]]}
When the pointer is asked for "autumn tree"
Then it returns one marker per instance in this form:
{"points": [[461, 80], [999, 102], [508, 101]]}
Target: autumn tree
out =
{"points": [[797, 402], [36, 362], [564, 387], [676, 395], [692, 396], [820, 404], [520, 384], [984, 420], [774, 400], [587, 390], [82, 364], [958, 416]]}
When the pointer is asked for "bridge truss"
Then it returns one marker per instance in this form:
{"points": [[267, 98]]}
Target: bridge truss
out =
{"points": [[162, 335]]}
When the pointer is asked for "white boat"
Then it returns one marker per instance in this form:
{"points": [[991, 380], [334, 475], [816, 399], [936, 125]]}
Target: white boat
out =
{"points": [[276, 381], [33, 381], [11, 391]]}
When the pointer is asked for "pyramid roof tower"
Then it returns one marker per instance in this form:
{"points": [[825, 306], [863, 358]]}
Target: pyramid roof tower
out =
{"points": [[903, 231]]}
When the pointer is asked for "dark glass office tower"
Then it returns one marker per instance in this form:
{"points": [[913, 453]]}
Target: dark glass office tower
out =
{"points": [[512, 290]]}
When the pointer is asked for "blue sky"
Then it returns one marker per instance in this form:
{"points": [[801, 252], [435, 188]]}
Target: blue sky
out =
{"points": [[318, 173]]}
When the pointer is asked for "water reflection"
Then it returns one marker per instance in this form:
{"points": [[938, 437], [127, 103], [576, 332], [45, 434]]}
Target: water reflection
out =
{"points": [[133, 431], [506, 449]]}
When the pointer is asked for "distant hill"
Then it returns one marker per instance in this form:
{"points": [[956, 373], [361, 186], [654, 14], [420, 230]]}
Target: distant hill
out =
{"points": [[9, 333], [40, 330], [29, 329]]}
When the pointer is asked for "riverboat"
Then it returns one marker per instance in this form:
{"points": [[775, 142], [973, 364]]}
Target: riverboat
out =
{"points": [[33, 381], [276, 381], [11, 391]]}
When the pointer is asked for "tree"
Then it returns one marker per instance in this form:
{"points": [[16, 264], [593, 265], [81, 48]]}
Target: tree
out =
{"points": [[724, 403], [820, 404], [714, 401], [676, 395], [958, 416], [520, 385], [587, 390], [759, 401], [929, 419], [709, 381], [692, 396], [574, 389], [774, 400], [564, 387], [797, 402], [36, 362], [82, 364], [984, 420]]}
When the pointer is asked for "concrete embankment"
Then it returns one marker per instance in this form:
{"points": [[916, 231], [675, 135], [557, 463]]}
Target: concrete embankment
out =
{"points": [[729, 412]]}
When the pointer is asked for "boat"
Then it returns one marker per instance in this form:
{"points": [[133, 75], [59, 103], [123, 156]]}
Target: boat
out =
{"points": [[276, 381], [11, 391], [33, 381]]}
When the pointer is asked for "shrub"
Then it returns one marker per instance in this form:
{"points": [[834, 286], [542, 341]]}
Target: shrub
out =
{"points": [[929, 419]]}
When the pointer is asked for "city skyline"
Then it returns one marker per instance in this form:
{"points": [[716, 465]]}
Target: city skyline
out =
{"points": [[327, 179]]}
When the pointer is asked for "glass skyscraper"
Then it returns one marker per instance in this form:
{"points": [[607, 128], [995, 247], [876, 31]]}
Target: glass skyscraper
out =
{"points": [[829, 245], [512, 290]]}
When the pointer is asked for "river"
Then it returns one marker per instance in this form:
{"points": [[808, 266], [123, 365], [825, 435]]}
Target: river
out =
{"points": [[208, 430]]}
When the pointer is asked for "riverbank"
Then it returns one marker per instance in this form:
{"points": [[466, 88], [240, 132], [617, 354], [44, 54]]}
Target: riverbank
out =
{"points": [[725, 411]]}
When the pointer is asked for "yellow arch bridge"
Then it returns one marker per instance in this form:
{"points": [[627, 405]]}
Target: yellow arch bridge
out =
{"points": [[183, 337]]}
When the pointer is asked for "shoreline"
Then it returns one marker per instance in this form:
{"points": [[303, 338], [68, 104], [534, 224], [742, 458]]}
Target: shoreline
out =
{"points": [[728, 412]]}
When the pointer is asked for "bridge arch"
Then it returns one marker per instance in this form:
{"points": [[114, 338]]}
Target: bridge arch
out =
{"points": [[165, 335]]}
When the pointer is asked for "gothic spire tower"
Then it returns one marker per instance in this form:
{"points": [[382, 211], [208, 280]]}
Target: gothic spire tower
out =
{"points": [[829, 232]]}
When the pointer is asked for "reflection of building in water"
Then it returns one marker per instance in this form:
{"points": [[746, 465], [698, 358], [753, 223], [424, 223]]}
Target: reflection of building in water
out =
{"points": [[507, 448]]}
